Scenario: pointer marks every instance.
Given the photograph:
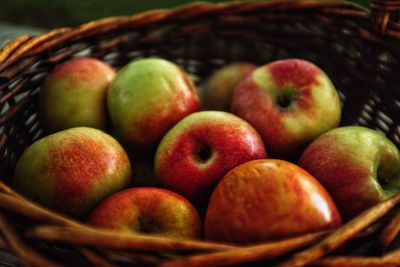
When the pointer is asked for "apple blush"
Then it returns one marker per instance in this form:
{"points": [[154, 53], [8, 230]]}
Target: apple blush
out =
{"points": [[358, 166], [71, 171], [148, 97], [200, 149], [74, 94], [289, 102], [148, 210], [268, 199]]}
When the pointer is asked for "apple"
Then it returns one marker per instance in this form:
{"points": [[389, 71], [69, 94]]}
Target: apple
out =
{"points": [[148, 97], [219, 87], [268, 199], [289, 102], [200, 149], [74, 94], [358, 166], [71, 171], [148, 210]]}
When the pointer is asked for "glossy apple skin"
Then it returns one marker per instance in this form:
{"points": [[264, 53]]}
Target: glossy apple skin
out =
{"points": [[218, 89], [148, 210], [230, 140], [358, 166], [148, 97], [268, 199], [74, 94], [71, 171], [289, 102]]}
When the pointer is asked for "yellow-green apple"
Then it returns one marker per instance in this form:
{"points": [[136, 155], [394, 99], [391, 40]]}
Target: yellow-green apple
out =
{"points": [[72, 170], [200, 149], [219, 87], [289, 102], [358, 166], [268, 199], [148, 210], [148, 97], [74, 94]]}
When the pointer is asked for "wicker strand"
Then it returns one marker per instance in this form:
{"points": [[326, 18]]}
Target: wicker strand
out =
{"points": [[246, 254], [118, 240], [340, 236], [26, 254], [390, 232]]}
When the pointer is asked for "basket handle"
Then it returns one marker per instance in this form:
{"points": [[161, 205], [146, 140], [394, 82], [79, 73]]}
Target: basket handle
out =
{"points": [[384, 12]]}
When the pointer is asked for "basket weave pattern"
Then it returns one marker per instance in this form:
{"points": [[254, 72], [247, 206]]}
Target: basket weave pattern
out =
{"points": [[358, 48]]}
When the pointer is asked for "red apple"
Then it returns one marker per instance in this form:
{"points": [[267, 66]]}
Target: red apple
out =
{"points": [[358, 166], [219, 87], [71, 171], [289, 102], [195, 154], [147, 98], [74, 94], [268, 199], [150, 211]]}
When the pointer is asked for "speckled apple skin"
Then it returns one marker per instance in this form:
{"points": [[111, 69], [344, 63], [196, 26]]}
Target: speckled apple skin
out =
{"points": [[286, 131], [352, 163], [218, 89], [268, 199], [71, 171], [74, 94], [231, 140], [148, 210], [147, 98]]}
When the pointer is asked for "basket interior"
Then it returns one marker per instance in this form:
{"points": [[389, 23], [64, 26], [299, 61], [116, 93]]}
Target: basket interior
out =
{"points": [[365, 70]]}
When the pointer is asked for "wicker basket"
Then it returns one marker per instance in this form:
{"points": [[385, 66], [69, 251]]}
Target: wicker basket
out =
{"points": [[358, 48]]}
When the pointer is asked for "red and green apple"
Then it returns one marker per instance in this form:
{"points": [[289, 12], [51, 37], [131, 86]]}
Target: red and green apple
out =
{"points": [[358, 166], [148, 210], [148, 97], [268, 199], [74, 94], [71, 171], [220, 85], [289, 102]]}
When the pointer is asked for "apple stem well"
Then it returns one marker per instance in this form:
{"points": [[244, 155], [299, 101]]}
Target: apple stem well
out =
{"points": [[203, 153], [287, 97]]}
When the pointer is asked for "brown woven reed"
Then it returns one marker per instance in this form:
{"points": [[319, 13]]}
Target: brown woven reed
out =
{"points": [[357, 47]]}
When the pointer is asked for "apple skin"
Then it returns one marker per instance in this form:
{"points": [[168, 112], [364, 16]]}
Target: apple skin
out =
{"points": [[219, 87], [148, 210], [200, 149], [74, 94], [268, 199], [289, 102], [358, 166], [71, 171], [148, 97]]}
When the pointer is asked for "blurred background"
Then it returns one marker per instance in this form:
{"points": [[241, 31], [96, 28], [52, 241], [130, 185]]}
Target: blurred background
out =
{"points": [[34, 16]]}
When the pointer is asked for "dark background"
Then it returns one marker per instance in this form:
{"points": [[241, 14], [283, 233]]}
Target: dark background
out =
{"points": [[50, 14]]}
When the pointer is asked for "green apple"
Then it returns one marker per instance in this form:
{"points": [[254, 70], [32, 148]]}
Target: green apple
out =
{"points": [[358, 166], [74, 94], [71, 171], [148, 97]]}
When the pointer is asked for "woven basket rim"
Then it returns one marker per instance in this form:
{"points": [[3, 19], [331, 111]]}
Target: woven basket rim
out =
{"points": [[28, 45]]}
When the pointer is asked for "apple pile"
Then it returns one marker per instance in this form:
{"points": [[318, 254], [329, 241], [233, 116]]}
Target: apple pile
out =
{"points": [[258, 156]]}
